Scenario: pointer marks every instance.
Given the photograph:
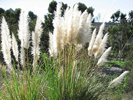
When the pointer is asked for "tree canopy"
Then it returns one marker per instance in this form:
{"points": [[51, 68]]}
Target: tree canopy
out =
{"points": [[32, 16], [118, 16]]}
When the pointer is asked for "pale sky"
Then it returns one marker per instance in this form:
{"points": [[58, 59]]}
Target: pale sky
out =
{"points": [[105, 7]]}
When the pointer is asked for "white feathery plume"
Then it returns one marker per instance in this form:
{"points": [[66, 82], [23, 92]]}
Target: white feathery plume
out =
{"points": [[76, 18], [102, 46], [35, 49], [118, 80], [88, 29], [81, 30], [37, 35], [51, 48], [52, 45], [66, 13], [65, 25], [6, 43], [57, 23], [98, 38], [103, 58], [15, 47], [23, 32], [73, 28], [70, 34], [36, 40], [88, 23], [91, 43], [75, 23], [22, 57]]}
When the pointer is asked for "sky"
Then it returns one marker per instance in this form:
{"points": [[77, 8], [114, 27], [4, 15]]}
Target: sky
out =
{"points": [[103, 8]]}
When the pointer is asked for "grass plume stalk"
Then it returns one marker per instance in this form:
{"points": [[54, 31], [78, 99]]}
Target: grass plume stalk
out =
{"points": [[103, 58], [15, 47], [98, 38], [6, 43], [23, 32], [118, 80], [36, 40], [90, 52], [102, 46], [81, 35], [24, 36], [57, 26]]}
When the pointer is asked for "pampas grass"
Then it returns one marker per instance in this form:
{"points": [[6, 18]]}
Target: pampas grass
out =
{"points": [[36, 40], [98, 38], [73, 29], [118, 80], [90, 52], [15, 47], [103, 58], [6, 43], [24, 36], [81, 35], [102, 46], [23, 32]]}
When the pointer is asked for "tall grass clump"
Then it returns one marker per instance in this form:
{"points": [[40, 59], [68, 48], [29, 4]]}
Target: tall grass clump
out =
{"points": [[70, 71], [77, 66]]}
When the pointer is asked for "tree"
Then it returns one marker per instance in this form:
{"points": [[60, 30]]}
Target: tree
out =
{"points": [[120, 36], [82, 7], [131, 15], [91, 10], [8, 13], [48, 25], [32, 16], [16, 14], [1, 11], [52, 7], [116, 16], [32, 20]]}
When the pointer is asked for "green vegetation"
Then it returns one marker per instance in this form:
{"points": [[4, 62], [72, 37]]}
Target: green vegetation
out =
{"points": [[50, 83], [111, 63]]}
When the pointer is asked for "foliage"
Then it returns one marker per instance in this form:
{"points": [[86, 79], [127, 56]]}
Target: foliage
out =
{"points": [[32, 16], [52, 7], [128, 65], [49, 84], [1, 11], [116, 16], [90, 10], [121, 36], [131, 15], [112, 63]]}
